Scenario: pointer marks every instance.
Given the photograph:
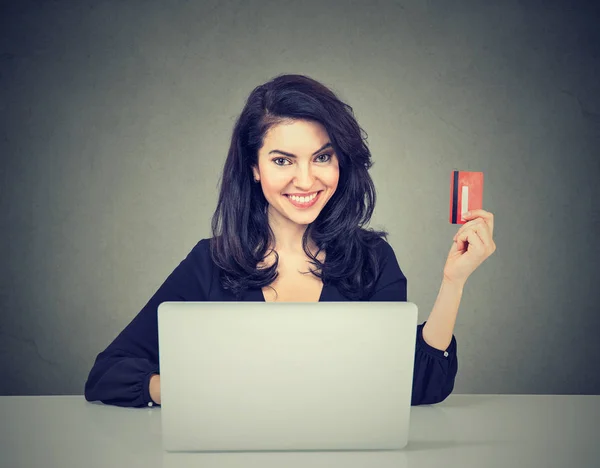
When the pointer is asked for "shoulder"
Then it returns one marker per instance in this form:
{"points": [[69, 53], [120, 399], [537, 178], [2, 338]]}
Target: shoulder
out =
{"points": [[384, 249], [199, 265], [388, 268], [376, 243], [391, 283], [199, 259], [379, 254], [201, 251], [203, 246]]}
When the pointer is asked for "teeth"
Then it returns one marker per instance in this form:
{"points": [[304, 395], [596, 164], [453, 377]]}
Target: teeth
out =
{"points": [[303, 199]]}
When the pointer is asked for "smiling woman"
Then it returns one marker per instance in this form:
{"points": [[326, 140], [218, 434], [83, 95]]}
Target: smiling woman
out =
{"points": [[296, 189], [290, 225], [293, 184]]}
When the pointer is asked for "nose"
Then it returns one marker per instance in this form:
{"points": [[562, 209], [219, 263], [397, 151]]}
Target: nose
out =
{"points": [[304, 178]]}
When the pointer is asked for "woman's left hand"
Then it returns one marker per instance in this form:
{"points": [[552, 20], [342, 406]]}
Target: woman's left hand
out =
{"points": [[473, 243]]}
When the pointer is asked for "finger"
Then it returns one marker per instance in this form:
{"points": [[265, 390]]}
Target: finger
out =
{"points": [[483, 231], [475, 241], [487, 216], [462, 236], [461, 245], [480, 219], [479, 213], [467, 225], [471, 237]]}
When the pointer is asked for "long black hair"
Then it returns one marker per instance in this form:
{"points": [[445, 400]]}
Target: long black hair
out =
{"points": [[241, 233]]}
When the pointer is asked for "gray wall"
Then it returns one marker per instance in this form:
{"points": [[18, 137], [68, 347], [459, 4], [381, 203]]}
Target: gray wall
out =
{"points": [[116, 119]]}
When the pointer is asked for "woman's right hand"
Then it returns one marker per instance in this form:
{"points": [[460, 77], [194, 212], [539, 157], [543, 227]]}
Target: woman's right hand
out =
{"points": [[155, 388]]}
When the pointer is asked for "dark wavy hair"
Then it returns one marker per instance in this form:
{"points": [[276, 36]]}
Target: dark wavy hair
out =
{"points": [[241, 234]]}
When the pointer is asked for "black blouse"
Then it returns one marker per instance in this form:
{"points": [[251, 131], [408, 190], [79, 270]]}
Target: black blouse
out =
{"points": [[121, 373]]}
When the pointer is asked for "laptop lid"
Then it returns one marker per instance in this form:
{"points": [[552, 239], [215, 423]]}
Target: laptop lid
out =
{"points": [[286, 376]]}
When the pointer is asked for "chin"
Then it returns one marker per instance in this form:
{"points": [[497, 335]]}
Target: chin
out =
{"points": [[303, 219]]}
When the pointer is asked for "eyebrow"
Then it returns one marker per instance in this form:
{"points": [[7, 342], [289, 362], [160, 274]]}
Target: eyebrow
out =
{"points": [[291, 155]]}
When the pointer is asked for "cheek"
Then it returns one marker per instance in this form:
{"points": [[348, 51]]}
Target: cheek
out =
{"points": [[274, 182], [331, 177]]}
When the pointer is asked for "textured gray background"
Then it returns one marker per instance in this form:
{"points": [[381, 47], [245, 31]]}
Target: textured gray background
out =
{"points": [[116, 119]]}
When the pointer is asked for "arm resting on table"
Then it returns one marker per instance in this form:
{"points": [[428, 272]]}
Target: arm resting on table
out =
{"points": [[121, 373]]}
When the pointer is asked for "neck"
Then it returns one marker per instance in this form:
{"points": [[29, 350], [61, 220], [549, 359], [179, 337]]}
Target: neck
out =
{"points": [[288, 235]]}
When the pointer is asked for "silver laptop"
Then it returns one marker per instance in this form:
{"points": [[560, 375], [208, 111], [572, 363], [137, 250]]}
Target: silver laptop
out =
{"points": [[245, 376]]}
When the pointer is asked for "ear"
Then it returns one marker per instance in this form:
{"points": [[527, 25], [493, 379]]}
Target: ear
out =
{"points": [[256, 173]]}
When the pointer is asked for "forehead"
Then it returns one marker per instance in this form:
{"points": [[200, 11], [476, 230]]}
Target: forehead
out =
{"points": [[300, 137]]}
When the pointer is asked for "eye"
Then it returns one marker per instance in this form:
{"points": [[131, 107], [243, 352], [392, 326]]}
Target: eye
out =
{"points": [[326, 157], [280, 161]]}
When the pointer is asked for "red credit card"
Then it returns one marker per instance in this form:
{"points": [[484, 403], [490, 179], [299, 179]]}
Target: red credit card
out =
{"points": [[466, 193]]}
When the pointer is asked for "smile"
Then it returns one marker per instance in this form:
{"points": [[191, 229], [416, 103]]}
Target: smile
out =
{"points": [[305, 201]]}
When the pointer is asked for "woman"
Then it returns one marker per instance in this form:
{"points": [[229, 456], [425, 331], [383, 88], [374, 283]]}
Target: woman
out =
{"points": [[289, 226]]}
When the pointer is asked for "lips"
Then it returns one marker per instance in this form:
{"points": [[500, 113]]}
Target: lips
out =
{"points": [[303, 205]]}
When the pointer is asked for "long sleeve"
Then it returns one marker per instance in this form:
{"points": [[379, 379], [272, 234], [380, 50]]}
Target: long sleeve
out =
{"points": [[121, 373], [434, 370]]}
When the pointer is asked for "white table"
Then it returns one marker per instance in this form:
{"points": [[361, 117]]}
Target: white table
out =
{"points": [[463, 431]]}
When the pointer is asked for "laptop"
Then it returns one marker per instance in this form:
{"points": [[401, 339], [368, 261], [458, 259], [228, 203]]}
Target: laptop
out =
{"points": [[246, 376]]}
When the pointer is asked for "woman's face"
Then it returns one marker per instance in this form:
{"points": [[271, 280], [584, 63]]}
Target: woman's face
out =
{"points": [[298, 170]]}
